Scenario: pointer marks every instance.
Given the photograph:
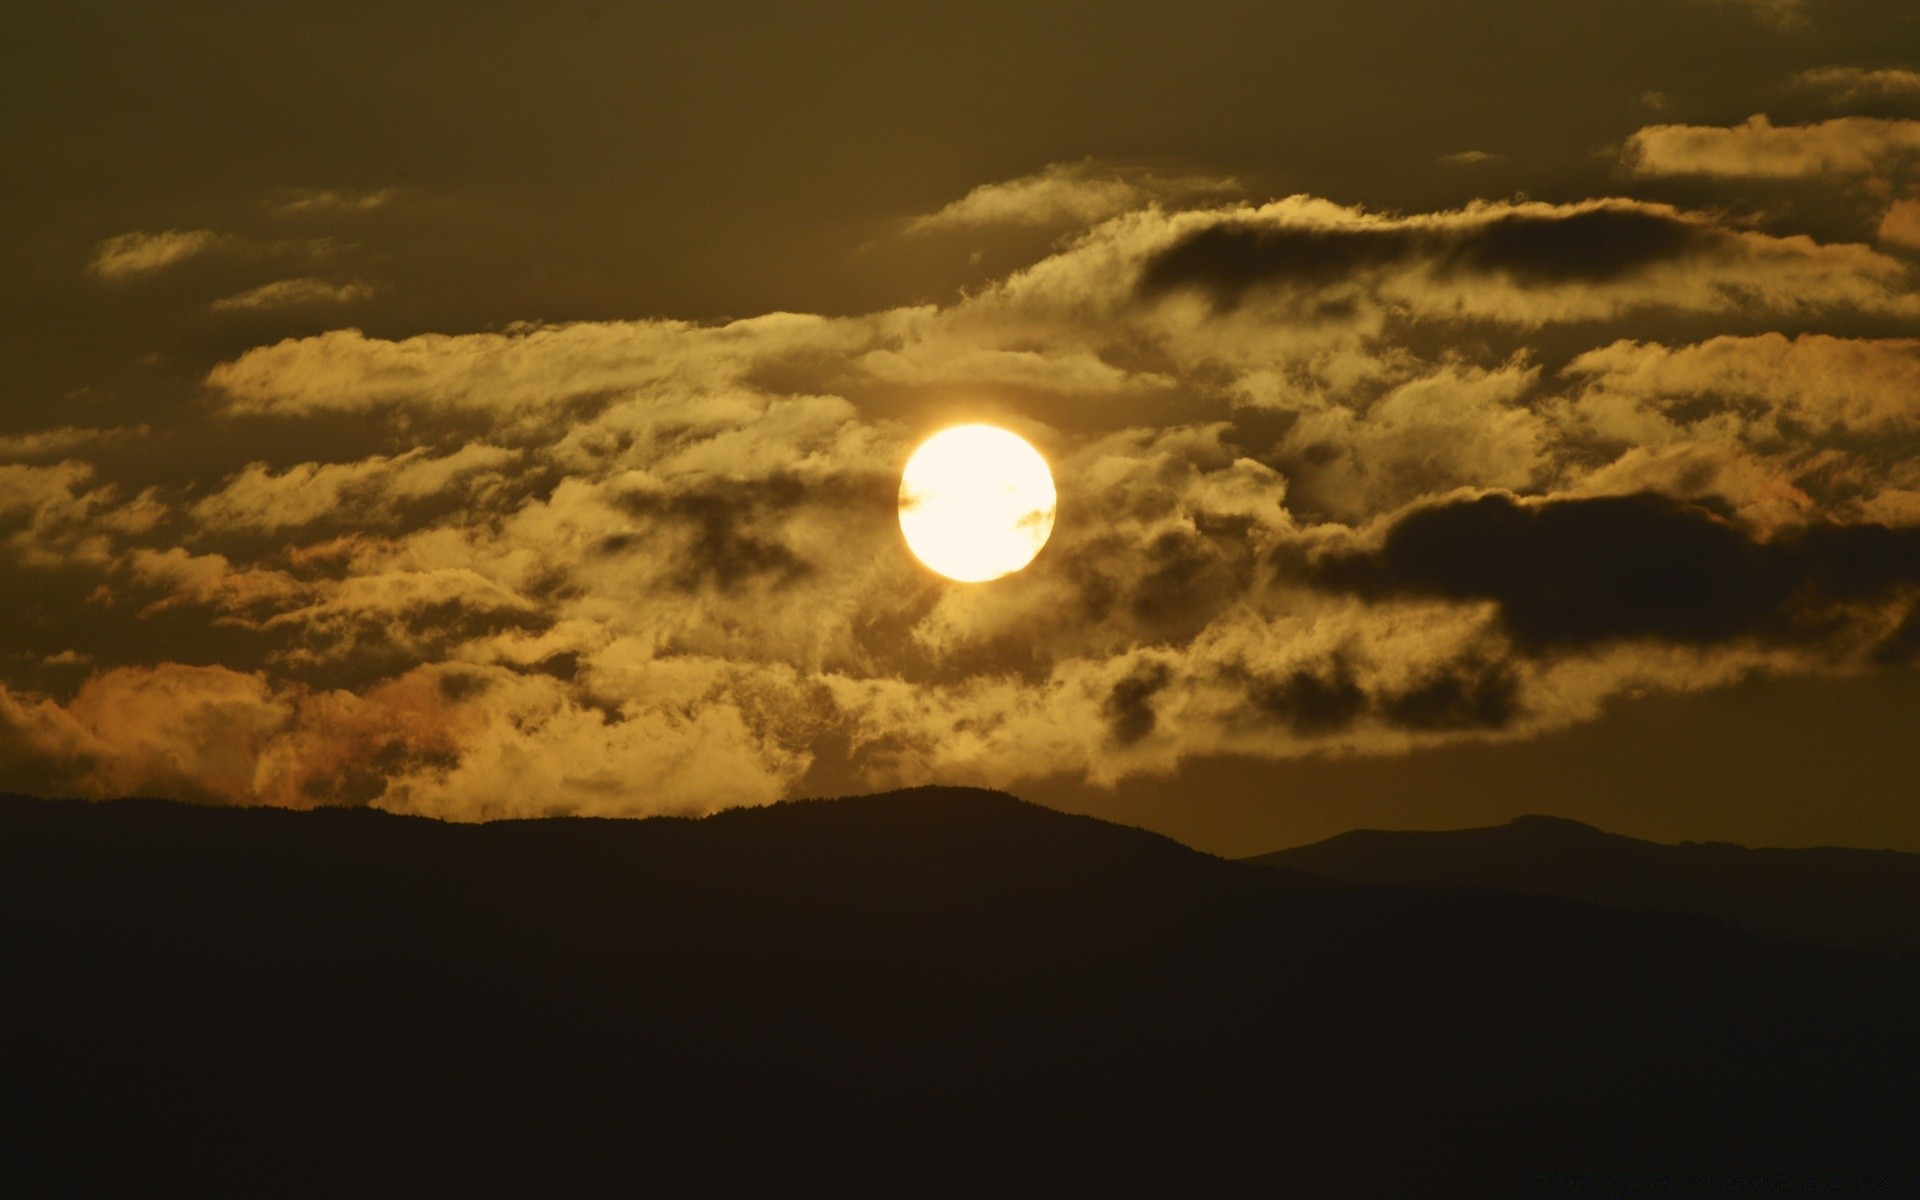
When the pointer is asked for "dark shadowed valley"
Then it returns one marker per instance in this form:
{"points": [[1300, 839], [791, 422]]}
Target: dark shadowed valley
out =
{"points": [[921, 992]]}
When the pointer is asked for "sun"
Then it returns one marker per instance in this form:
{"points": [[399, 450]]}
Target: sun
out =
{"points": [[976, 503]]}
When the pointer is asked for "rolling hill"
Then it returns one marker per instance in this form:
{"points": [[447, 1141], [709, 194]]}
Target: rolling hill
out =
{"points": [[939, 991]]}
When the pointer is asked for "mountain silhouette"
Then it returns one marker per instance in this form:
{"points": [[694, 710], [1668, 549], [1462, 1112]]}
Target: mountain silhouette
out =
{"points": [[938, 991], [1855, 899]]}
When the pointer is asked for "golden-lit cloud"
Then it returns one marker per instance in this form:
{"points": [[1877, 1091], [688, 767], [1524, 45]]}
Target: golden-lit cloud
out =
{"points": [[1331, 480], [1901, 226], [1817, 383], [130, 255], [60, 441], [1066, 194], [325, 201], [292, 293], [1758, 148], [1846, 84], [367, 492]]}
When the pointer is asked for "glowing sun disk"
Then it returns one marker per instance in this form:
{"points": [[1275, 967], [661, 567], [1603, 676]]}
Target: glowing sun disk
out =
{"points": [[976, 503]]}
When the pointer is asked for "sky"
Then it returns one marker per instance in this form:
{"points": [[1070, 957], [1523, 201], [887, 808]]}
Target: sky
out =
{"points": [[1457, 409]]}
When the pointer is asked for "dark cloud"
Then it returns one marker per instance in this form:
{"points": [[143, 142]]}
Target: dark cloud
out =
{"points": [[1902, 646], [1579, 572], [729, 529], [1328, 698], [1467, 695], [1312, 701], [1587, 245], [1129, 706]]}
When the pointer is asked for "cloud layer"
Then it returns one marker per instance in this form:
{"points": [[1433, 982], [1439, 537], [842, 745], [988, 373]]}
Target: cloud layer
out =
{"points": [[1331, 480]]}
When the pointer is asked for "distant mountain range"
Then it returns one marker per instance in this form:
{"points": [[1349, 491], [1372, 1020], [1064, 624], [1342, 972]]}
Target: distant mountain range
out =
{"points": [[1855, 899], [932, 992]]}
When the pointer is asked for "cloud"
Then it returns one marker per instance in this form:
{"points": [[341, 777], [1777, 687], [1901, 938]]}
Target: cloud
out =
{"points": [[1455, 427], [1901, 226], [1066, 194], [1760, 149], [1528, 263], [212, 581], [465, 742], [1544, 246], [59, 513], [1573, 573], [402, 617], [655, 565], [1847, 84], [61, 441], [1472, 158], [1779, 387], [1781, 430], [293, 293], [525, 368], [370, 491], [186, 731], [131, 255], [306, 201]]}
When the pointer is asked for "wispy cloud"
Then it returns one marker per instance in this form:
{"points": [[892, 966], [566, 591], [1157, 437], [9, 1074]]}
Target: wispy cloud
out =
{"points": [[1066, 194], [302, 201], [293, 293], [129, 255], [1844, 84], [1760, 149], [60, 442]]}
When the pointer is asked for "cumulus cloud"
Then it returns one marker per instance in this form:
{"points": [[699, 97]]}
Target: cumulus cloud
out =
{"points": [[1816, 382], [1780, 429], [1321, 493], [130, 255], [1760, 149], [1901, 226], [293, 293], [465, 743], [1458, 426], [1066, 194]]}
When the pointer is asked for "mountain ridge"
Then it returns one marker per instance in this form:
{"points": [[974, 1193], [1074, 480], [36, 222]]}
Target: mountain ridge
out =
{"points": [[1834, 896], [936, 991]]}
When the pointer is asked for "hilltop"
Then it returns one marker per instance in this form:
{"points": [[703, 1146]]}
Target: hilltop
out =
{"points": [[940, 990]]}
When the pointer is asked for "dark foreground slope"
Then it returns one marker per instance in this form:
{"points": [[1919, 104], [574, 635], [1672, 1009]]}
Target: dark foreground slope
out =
{"points": [[927, 992], [1853, 899]]}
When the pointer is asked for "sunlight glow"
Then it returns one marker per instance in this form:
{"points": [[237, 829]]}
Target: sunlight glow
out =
{"points": [[976, 503]]}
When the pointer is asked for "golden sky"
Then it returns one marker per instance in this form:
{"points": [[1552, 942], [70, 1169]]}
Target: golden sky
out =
{"points": [[1456, 409]]}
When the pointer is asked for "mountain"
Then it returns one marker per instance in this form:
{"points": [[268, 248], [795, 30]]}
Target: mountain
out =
{"points": [[939, 991], [1855, 899]]}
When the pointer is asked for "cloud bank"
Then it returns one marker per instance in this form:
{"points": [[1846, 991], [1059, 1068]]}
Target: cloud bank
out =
{"points": [[1324, 489]]}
